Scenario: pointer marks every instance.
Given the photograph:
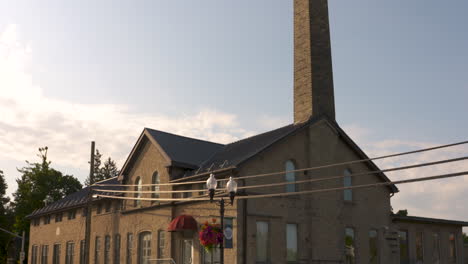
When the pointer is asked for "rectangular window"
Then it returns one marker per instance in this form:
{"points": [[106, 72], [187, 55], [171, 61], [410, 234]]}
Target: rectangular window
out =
{"points": [[34, 254], [263, 244], [452, 248], [404, 249], [129, 248], [44, 254], [99, 209], [58, 217], [213, 257], [347, 181], [117, 249], [46, 219], [70, 253], [161, 243], [350, 257], [71, 214], [419, 247], [435, 248], [56, 254], [107, 247], [373, 247], [291, 243], [84, 212], [97, 250], [36, 221], [290, 176], [82, 252], [108, 207]]}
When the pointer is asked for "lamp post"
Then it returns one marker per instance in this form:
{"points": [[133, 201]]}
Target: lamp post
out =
{"points": [[231, 188]]}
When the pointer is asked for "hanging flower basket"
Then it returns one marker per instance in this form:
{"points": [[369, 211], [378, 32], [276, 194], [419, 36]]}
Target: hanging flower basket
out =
{"points": [[210, 235]]}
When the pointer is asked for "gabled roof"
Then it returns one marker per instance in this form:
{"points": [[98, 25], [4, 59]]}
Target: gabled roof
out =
{"points": [[184, 150], [235, 153], [73, 200], [425, 220]]}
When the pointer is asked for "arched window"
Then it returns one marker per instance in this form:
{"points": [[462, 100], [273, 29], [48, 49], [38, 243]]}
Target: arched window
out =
{"points": [[290, 176], [347, 182], [138, 188], [144, 248], [155, 189]]}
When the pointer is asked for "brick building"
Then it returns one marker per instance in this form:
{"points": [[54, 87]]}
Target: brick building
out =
{"points": [[347, 226]]}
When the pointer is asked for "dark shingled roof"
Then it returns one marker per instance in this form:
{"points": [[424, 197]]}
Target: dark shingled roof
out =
{"points": [[76, 199], [185, 150], [427, 220], [237, 152]]}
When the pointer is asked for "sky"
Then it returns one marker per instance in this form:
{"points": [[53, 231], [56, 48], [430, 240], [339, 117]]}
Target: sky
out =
{"points": [[76, 71]]}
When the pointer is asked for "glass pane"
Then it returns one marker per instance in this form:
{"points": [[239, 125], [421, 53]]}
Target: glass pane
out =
{"points": [[373, 247], [262, 242], [347, 181], [452, 248], [290, 176], [404, 250], [291, 242], [187, 252], [435, 248], [349, 245], [419, 248]]}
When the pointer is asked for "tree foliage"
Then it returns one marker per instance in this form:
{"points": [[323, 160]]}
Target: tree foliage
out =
{"points": [[465, 238], [106, 171], [38, 186], [6, 219]]}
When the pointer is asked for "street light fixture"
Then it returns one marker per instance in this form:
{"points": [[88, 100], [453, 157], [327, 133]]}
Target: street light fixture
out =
{"points": [[231, 188]]}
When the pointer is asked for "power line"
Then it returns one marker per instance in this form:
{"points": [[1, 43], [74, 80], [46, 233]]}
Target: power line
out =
{"points": [[305, 181], [429, 178], [298, 170]]}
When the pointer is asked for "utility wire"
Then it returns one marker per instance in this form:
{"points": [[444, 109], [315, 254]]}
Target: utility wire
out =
{"points": [[306, 181], [429, 178], [298, 170]]}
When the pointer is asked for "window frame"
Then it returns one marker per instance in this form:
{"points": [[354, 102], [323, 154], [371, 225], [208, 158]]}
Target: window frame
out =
{"points": [[377, 249], [290, 176], [44, 257], [348, 193], [155, 179], [405, 231], [117, 246], [352, 258], [416, 238], [107, 249], [161, 243], [97, 249], [455, 256], [58, 217], [138, 189], [56, 253], [268, 244], [69, 252], [129, 249], [144, 247], [297, 243]]}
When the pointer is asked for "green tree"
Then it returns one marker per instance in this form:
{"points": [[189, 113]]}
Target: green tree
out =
{"points": [[5, 219], [39, 185], [465, 238], [108, 170]]}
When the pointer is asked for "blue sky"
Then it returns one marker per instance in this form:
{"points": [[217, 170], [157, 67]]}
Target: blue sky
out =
{"points": [[222, 70]]}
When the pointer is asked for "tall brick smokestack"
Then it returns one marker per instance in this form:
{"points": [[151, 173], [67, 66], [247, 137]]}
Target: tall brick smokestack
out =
{"points": [[313, 75]]}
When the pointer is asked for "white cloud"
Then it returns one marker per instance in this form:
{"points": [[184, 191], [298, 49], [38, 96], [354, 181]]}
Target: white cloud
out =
{"points": [[29, 120], [438, 199]]}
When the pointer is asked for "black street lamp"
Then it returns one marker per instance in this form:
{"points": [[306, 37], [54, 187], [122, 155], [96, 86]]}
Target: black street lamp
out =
{"points": [[231, 188]]}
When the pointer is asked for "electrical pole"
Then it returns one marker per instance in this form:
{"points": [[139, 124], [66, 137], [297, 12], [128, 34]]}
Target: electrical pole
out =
{"points": [[88, 207]]}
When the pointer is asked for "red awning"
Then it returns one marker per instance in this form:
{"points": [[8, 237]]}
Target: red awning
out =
{"points": [[183, 222]]}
